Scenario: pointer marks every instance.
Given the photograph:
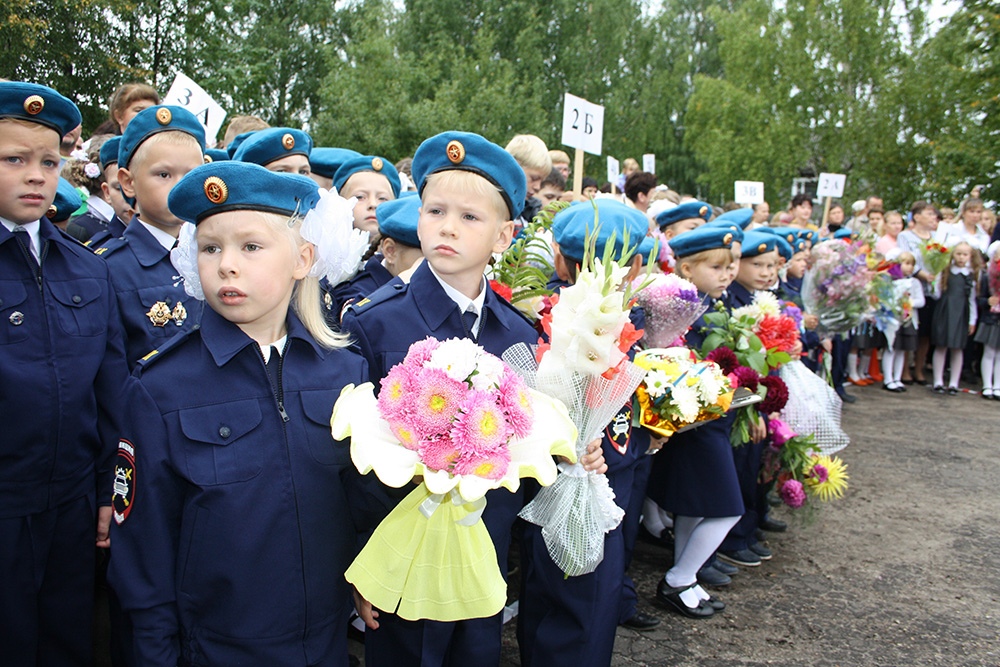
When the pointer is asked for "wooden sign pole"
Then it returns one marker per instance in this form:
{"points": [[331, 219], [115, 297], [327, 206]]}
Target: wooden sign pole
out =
{"points": [[578, 172], [826, 211]]}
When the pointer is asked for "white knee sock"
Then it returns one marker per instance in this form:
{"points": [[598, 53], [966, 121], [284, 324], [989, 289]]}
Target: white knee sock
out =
{"points": [[683, 528], [957, 356], [887, 362], [937, 363], [705, 537], [990, 356], [898, 362], [652, 519], [852, 366]]}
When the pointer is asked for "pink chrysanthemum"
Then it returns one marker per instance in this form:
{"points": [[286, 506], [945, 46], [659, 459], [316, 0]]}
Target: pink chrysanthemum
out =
{"points": [[420, 352], [481, 427], [437, 400], [404, 433], [395, 398], [819, 473], [489, 466], [793, 494], [439, 453], [516, 403]]}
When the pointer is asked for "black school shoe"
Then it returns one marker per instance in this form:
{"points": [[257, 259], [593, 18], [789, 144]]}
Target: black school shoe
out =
{"points": [[953, 391], [641, 622], [761, 550], [670, 598], [938, 389], [740, 557], [725, 568], [709, 576], [773, 525], [845, 397]]}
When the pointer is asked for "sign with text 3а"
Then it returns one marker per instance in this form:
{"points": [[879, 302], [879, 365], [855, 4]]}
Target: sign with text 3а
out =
{"points": [[831, 185], [614, 169], [583, 124], [749, 192], [649, 163], [186, 93]]}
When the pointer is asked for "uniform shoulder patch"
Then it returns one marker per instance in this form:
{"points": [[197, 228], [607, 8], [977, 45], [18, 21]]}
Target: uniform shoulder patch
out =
{"points": [[619, 429], [123, 492], [151, 358], [381, 295], [111, 247]]}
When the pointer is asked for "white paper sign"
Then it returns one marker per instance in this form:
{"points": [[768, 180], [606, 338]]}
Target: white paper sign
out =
{"points": [[583, 124], [649, 163], [186, 93], [614, 169], [831, 185], [749, 192]]}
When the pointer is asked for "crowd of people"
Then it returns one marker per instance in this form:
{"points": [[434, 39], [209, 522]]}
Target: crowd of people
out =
{"points": [[177, 329]]}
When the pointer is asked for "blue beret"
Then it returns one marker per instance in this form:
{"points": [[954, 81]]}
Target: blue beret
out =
{"points": [[237, 140], [727, 224], [793, 236], [465, 151], [66, 202], [398, 218], [153, 121], [571, 225], [706, 237], [845, 233], [809, 235], [370, 163], [785, 248], [685, 211], [757, 242], [216, 155], [265, 146], [740, 216], [109, 152], [326, 161], [218, 187], [38, 104]]}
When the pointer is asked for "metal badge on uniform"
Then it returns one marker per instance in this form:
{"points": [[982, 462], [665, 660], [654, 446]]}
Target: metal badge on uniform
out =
{"points": [[208, 159], [216, 190], [619, 429], [288, 141], [377, 163], [159, 314], [762, 247], [456, 151], [16, 318], [179, 314], [163, 116], [327, 301], [34, 104], [123, 491]]}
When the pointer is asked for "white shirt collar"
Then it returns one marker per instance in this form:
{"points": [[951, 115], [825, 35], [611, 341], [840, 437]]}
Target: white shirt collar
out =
{"points": [[465, 303], [100, 208], [278, 344], [964, 270], [164, 239], [32, 229]]}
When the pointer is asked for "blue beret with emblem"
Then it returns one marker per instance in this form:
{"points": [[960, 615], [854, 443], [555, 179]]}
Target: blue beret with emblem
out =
{"points": [[218, 187], [685, 211], [326, 161], [265, 146], [739, 216], [706, 237], [153, 121], [796, 238], [784, 246], [66, 202], [398, 218], [758, 241], [810, 235], [109, 152], [571, 225], [371, 163], [234, 145], [845, 233], [38, 104], [216, 155], [726, 224], [465, 151]]}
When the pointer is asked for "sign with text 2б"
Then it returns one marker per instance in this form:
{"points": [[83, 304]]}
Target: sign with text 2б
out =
{"points": [[583, 124]]}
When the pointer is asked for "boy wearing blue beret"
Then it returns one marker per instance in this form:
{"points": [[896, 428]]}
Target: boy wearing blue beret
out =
{"points": [[324, 163], [371, 180], [280, 149], [158, 148], [573, 621], [682, 218], [470, 191], [123, 211], [62, 363]]}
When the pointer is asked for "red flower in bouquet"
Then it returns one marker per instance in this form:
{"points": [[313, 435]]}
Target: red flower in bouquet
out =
{"points": [[725, 358], [778, 333], [777, 395], [746, 377], [503, 290]]}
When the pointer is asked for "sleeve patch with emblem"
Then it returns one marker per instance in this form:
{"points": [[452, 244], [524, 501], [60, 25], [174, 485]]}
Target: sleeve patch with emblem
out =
{"points": [[123, 496]]}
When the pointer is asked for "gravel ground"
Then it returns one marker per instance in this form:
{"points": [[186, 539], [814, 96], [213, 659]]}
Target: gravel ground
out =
{"points": [[902, 571]]}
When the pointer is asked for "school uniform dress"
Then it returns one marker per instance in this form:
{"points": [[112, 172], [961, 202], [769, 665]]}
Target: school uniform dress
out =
{"points": [[154, 306], [988, 327], [232, 519], [953, 311], [369, 279], [909, 242], [385, 325], [62, 371]]}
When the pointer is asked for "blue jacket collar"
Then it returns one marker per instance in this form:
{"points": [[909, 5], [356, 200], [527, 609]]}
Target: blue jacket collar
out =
{"points": [[147, 249], [225, 340], [374, 267], [435, 306], [739, 295]]}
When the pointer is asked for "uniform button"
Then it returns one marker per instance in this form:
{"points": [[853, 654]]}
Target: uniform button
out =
{"points": [[225, 432], [76, 298]]}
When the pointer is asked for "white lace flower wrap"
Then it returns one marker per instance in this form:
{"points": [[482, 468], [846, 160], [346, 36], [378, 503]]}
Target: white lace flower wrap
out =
{"points": [[339, 246], [185, 259]]}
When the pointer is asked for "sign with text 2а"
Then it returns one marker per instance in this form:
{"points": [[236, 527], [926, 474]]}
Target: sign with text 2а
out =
{"points": [[614, 169], [831, 185], [186, 93], [583, 124], [749, 192]]}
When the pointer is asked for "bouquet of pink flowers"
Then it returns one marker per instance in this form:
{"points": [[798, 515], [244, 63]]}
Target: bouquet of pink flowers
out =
{"points": [[835, 288], [671, 304], [463, 421], [801, 470]]}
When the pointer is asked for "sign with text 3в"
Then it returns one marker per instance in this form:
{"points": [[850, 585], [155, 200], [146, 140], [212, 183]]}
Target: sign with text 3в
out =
{"points": [[614, 169], [831, 185], [583, 124], [749, 192], [649, 163], [186, 93]]}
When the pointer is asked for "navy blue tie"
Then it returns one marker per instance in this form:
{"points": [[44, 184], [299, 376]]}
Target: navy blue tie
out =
{"points": [[469, 322]]}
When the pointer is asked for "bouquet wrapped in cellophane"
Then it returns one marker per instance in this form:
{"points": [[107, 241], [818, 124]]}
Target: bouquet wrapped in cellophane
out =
{"points": [[936, 257], [671, 305], [835, 288], [679, 391], [459, 418], [586, 367]]}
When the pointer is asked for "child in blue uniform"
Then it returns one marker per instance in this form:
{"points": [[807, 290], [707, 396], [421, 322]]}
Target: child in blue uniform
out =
{"points": [[693, 475], [371, 180], [233, 527], [159, 147], [325, 161], [471, 190], [62, 364], [573, 621], [281, 149], [122, 208]]}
